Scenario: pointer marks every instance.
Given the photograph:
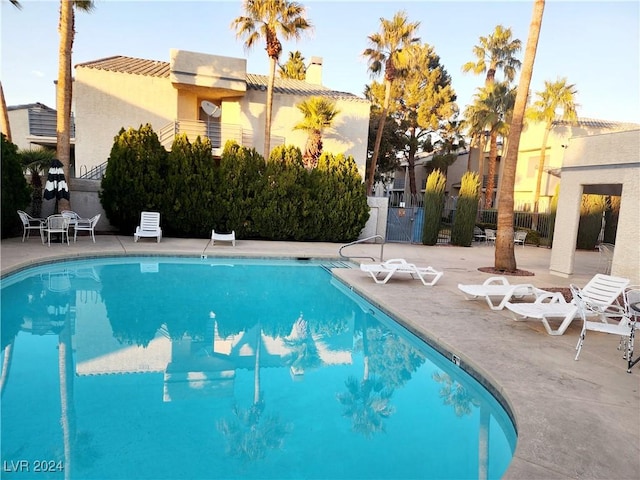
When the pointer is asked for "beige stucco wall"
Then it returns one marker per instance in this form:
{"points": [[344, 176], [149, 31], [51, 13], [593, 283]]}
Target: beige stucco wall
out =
{"points": [[612, 158], [108, 101], [19, 123]]}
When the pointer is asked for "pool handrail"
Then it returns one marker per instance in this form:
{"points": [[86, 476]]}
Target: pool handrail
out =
{"points": [[363, 240]]}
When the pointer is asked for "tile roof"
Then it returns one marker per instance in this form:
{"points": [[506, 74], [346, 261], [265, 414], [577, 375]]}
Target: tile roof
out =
{"points": [[154, 68], [596, 123], [28, 106]]}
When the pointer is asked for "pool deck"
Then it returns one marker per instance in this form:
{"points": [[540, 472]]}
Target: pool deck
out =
{"points": [[574, 419]]}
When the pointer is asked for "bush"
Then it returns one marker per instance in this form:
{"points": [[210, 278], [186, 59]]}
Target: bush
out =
{"points": [[466, 210], [433, 206], [591, 211], [277, 200], [135, 178], [190, 209], [339, 209], [611, 219], [15, 191]]}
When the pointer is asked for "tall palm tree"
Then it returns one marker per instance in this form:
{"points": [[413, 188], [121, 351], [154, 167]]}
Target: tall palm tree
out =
{"points": [[491, 111], [5, 127], [319, 113], [294, 67], [495, 52], [66, 28], [504, 253], [267, 19], [556, 95], [388, 54]]}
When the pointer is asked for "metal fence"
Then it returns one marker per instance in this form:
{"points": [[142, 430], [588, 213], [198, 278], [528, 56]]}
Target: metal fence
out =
{"points": [[405, 219]]}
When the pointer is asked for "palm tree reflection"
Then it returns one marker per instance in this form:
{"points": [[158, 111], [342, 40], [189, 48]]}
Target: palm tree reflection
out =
{"points": [[250, 433]]}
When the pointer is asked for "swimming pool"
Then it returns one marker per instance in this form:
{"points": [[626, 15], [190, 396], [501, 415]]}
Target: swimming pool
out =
{"points": [[157, 367]]}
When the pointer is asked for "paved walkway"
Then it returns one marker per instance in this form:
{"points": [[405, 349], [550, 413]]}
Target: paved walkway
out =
{"points": [[574, 419]]}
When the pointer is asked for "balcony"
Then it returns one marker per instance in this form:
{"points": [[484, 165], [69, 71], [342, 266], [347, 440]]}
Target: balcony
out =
{"points": [[218, 133]]}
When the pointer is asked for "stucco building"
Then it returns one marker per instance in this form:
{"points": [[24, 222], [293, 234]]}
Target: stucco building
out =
{"points": [[122, 92]]}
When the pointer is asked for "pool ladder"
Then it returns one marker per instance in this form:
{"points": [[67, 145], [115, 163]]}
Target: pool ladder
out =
{"points": [[363, 240]]}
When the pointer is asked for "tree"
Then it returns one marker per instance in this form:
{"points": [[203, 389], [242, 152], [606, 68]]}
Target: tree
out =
{"points": [[388, 53], [266, 19], [425, 100], [294, 67], [495, 52], [504, 254], [318, 115], [66, 28], [36, 162], [15, 191], [556, 95], [491, 112]]}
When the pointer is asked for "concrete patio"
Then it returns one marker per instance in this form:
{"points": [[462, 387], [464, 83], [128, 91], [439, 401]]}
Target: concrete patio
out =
{"points": [[574, 419]]}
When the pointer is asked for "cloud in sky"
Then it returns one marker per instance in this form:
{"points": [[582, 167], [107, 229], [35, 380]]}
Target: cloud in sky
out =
{"points": [[37, 73]]}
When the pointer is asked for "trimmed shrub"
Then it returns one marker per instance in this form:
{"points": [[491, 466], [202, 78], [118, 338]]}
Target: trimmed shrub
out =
{"points": [[15, 191], [466, 210], [280, 205], [591, 211], [135, 178], [189, 207], [433, 206], [339, 209], [241, 179]]}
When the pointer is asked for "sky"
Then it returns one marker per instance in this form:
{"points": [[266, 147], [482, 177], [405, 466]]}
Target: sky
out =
{"points": [[595, 45]]}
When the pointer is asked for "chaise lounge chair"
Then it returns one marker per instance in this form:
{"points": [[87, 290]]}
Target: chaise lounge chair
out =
{"points": [[623, 320], [495, 288], [602, 290], [400, 265], [149, 226]]}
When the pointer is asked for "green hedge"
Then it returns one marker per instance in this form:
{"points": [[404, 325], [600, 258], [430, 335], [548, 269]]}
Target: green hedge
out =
{"points": [[275, 200]]}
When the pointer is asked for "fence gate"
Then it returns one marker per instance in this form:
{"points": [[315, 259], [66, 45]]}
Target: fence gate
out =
{"points": [[404, 225]]}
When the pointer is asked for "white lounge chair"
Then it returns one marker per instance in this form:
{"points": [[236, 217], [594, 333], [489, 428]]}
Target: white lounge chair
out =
{"points": [[149, 226], [499, 288], [602, 290], [223, 237], [491, 235], [400, 265], [624, 320]]}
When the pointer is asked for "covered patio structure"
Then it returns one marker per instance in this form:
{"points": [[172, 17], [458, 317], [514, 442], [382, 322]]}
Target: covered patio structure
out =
{"points": [[606, 164]]}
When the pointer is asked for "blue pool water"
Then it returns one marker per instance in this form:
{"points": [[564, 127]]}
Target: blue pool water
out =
{"points": [[178, 368]]}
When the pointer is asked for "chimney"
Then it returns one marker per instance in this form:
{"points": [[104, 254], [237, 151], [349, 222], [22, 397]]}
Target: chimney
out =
{"points": [[314, 71]]}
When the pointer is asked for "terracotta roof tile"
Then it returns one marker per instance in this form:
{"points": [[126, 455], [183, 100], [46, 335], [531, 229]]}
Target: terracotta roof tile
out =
{"points": [[596, 123], [153, 68]]}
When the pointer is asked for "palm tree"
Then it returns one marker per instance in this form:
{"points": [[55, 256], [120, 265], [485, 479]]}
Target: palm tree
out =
{"points": [[555, 95], [294, 67], [319, 113], [495, 52], [388, 53], [266, 19], [504, 254], [66, 28], [491, 111], [36, 162]]}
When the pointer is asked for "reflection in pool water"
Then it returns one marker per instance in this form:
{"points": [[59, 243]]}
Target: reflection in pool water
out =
{"points": [[189, 368]]}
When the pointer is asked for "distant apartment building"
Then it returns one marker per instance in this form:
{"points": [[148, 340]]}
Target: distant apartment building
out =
{"points": [[528, 162]]}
